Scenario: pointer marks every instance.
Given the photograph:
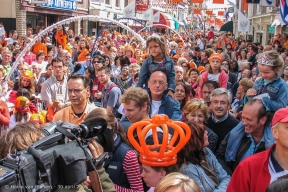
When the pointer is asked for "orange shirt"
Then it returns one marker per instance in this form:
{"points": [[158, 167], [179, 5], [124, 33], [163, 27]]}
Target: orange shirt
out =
{"points": [[67, 114], [82, 55]]}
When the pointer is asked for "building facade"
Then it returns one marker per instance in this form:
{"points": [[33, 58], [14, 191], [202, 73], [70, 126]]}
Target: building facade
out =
{"points": [[20, 14]]}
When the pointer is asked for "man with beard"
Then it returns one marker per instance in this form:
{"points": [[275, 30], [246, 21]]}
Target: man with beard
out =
{"points": [[220, 121], [252, 135], [78, 93], [67, 58]]}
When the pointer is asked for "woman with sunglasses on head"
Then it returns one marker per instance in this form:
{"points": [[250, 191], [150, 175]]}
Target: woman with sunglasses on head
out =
{"points": [[196, 112], [200, 164]]}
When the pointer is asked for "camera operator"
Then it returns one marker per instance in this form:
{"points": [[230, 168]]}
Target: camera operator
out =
{"points": [[78, 93], [123, 167], [24, 135]]}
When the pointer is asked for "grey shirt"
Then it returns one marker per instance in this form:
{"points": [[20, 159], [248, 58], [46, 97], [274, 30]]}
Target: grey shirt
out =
{"points": [[52, 90], [111, 99]]}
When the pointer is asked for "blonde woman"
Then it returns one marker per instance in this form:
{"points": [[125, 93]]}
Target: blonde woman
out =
{"points": [[177, 182]]}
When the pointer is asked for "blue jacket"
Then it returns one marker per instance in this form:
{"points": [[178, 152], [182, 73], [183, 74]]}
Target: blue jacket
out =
{"points": [[196, 172], [169, 106], [235, 138], [277, 90], [149, 66]]}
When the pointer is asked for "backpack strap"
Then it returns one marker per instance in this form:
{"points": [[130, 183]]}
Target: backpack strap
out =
{"points": [[111, 87]]}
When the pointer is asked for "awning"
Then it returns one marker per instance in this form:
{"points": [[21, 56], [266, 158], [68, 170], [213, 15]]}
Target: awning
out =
{"points": [[166, 19], [278, 21], [228, 26]]}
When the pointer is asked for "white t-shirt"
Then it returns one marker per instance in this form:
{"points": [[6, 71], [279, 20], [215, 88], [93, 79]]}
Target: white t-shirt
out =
{"points": [[42, 66], [155, 107], [212, 77], [200, 44]]}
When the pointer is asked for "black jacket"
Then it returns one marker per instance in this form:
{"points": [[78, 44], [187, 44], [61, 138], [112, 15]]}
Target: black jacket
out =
{"points": [[244, 146], [253, 60]]}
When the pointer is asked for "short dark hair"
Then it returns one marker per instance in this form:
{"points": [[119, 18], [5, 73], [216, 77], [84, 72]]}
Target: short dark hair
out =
{"points": [[48, 65], [105, 68], [213, 83], [197, 49], [100, 58], [57, 60], [84, 79], [254, 49]]}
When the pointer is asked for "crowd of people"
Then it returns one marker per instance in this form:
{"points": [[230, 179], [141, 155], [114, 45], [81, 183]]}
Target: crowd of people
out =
{"points": [[231, 92]]}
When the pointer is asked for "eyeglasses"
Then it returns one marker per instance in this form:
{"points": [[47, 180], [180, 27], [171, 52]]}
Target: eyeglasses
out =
{"points": [[158, 82], [97, 62], [76, 91]]}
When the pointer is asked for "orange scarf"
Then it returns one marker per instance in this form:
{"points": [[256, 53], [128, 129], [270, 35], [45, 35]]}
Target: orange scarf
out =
{"points": [[61, 38]]}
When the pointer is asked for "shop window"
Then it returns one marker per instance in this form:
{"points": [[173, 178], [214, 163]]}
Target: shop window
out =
{"points": [[117, 3]]}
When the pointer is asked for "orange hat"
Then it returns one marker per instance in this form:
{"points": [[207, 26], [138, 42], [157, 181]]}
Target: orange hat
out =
{"points": [[201, 68], [181, 44], [164, 153], [28, 74], [216, 56], [129, 48], [176, 56], [20, 103], [37, 118], [174, 38], [229, 33], [192, 65]]}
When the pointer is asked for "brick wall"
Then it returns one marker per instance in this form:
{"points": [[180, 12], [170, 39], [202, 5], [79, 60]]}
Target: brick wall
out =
{"points": [[20, 18]]}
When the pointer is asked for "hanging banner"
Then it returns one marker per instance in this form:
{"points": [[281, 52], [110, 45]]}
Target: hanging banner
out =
{"points": [[197, 1], [218, 1], [245, 5], [243, 22], [197, 11], [220, 13], [156, 17], [142, 5], [284, 11], [129, 10], [177, 1], [209, 12]]}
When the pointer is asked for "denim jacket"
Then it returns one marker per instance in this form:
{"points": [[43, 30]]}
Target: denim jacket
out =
{"points": [[169, 107], [195, 172], [149, 66], [277, 91]]}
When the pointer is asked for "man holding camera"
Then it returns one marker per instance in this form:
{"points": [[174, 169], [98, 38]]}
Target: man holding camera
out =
{"points": [[78, 93]]}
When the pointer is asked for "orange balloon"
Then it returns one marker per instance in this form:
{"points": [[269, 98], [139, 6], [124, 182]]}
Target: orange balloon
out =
{"points": [[159, 154]]}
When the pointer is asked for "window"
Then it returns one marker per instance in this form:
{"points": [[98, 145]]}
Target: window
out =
{"points": [[117, 3], [107, 2]]}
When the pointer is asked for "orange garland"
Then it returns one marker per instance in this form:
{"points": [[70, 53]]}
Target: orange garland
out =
{"points": [[61, 38]]}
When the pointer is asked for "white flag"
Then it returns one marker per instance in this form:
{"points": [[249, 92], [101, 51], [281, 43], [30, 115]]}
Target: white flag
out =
{"points": [[129, 10], [243, 22], [156, 17], [147, 15], [268, 3]]}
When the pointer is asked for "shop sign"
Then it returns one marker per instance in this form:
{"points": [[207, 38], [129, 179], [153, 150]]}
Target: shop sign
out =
{"points": [[69, 5], [39, 1]]}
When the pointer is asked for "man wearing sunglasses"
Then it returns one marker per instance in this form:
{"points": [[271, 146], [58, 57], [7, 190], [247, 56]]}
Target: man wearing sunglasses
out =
{"points": [[78, 93]]}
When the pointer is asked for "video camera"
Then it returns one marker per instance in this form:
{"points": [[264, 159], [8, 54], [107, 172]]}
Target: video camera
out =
{"points": [[61, 159]]}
